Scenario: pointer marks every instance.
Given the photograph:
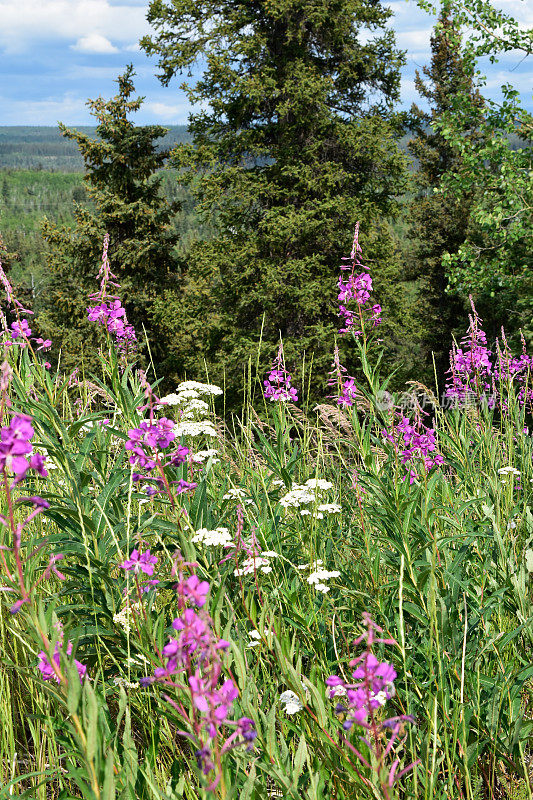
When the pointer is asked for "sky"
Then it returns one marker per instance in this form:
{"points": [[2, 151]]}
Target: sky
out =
{"points": [[54, 54]]}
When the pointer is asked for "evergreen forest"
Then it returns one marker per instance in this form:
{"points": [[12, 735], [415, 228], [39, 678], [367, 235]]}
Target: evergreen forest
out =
{"points": [[266, 419]]}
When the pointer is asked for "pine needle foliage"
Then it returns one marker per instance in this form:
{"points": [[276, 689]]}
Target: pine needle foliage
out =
{"points": [[121, 164], [439, 227], [295, 135]]}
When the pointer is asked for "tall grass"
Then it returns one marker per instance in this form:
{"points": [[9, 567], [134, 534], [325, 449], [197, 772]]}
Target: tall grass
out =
{"points": [[443, 564]]}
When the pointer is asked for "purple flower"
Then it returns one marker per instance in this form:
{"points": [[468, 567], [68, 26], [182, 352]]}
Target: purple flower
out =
{"points": [[139, 562], [147, 439], [196, 590], [278, 384], [184, 486], [44, 344], [37, 462], [343, 383], [15, 445], [47, 669], [179, 456], [21, 328], [357, 288], [246, 728]]}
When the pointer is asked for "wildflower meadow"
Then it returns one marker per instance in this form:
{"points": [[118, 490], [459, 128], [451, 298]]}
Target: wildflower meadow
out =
{"points": [[329, 602]]}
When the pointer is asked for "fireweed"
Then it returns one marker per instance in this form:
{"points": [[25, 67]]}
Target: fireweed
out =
{"points": [[362, 706], [356, 288], [191, 666], [19, 332], [148, 447], [477, 375], [17, 459], [109, 310], [345, 384], [278, 383], [415, 442]]}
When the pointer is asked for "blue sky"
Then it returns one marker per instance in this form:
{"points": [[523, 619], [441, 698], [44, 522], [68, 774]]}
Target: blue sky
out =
{"points": [[54, 54]]}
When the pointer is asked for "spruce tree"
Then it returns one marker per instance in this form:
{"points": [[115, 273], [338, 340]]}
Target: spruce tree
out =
{"points": [[296, 140], [439, 227], [126, 201]]}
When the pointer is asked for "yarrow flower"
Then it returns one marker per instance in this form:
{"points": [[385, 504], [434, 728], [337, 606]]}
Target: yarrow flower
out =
{"points": [[291, 702], [256, 563], [306, 499], [220, 537], [278, 383]]}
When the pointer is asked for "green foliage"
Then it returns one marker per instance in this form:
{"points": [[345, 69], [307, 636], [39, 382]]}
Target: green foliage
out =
{"points": [[296, 140], [439, 228], [128, 204], [444, 564], [493, 262], [34, 147]]}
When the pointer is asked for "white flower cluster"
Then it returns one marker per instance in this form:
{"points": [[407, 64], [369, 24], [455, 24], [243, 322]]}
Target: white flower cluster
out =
{"points": [[291, 702], [256, 563], [205, 427], [124, 618], [255, 638], [237, 494], [508, 471], [194, 417], [203, 455], [220, 537], [199, 388], [306, 498], [318, 575]]}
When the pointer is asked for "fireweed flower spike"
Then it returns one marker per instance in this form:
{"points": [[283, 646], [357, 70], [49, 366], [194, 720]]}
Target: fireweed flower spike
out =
{"points": [[362, 704], [193, 668], [358, 288], [419, 444], [344, 384], [108, 310], [278, 383]]}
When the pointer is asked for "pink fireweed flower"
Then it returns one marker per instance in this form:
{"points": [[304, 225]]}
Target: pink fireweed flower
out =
{"points": [[345, 384], [16, 451], [21, 328], [361, 703], [196, 590], [470, 364], [111, 314], [357, 289], [47, 669], [419, 445], [278, 383], [139, 562], [192, 665]]}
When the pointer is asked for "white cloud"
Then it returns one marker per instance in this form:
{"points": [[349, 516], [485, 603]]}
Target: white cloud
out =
{"points": [[69, 109], [26, 23], [94, 43], [169, 113]]}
